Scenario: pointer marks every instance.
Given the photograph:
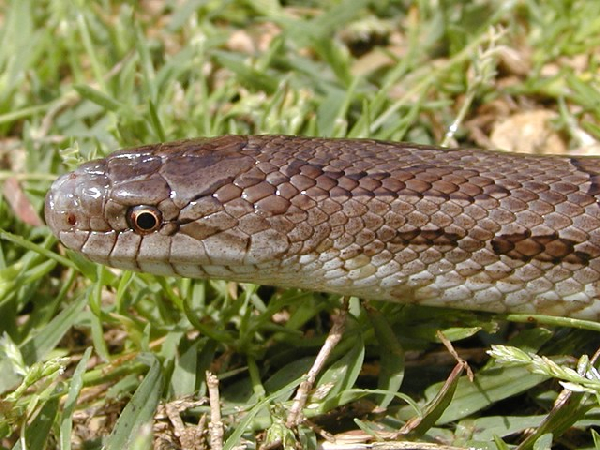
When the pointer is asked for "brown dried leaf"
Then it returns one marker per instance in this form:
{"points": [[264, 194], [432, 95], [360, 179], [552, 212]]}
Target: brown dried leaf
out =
{"points": [[529, 132], [20, 203]]}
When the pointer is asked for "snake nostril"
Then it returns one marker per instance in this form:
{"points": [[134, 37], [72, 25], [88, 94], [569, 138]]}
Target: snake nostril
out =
{"points": [[71, 219]]}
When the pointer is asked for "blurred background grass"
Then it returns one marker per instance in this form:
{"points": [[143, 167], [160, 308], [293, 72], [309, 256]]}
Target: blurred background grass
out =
{"points": [[82, 346]]}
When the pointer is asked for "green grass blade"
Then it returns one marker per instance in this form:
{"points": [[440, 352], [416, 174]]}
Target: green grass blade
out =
{"points": [[140, 409]]}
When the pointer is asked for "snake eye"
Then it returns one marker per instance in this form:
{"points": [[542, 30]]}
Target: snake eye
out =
{"points": [[144, 219]]}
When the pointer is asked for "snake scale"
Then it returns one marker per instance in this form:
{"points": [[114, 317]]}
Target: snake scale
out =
{"points": [[462, 228]]}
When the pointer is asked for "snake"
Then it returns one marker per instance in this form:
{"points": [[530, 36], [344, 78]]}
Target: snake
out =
{"points": [[477, 230]]}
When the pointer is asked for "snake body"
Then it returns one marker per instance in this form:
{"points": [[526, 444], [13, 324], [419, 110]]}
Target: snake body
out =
{"points": [[462, 228]]}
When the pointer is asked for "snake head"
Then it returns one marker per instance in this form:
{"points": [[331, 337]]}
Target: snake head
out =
{"points": [[175, 208], [105, 208]]}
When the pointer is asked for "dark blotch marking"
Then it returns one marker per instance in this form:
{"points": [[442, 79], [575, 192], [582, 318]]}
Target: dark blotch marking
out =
{"points": [[590, 167], [357, 176], [425, 174], [432, 237], [294, 167], [546, 248]]}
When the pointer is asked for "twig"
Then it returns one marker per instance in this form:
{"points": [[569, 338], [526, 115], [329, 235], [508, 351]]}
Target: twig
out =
{"points": [[442, 337], [215, 427], [335, 335]]}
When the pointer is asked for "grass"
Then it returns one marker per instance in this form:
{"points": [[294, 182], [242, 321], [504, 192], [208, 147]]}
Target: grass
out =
{"points": [[90, 357]]}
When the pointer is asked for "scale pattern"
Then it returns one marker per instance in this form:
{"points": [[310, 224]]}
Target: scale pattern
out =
{"points": [[462, 228]]}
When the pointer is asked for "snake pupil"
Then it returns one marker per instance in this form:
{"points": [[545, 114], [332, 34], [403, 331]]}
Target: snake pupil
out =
{"points": [[144, 219]]}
